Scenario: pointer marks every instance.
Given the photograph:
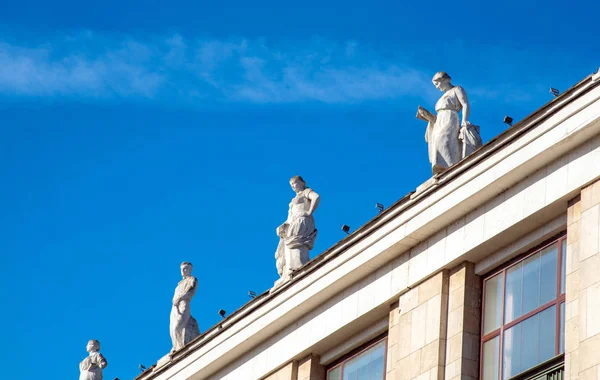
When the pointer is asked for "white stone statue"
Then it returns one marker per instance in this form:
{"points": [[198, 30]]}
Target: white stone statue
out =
{"points": [[184, 327], [91, 367], [449, 140], [298, 233]]}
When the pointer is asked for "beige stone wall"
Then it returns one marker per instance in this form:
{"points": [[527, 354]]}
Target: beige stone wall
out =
{"points": [[464, 321], [417, 332], [310, 369], [287, 372], [582, 309], [572, 292], [305, 369], [392, 343]]}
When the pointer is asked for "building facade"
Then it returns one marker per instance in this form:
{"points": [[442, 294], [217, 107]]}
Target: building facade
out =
{"points": [[490, 270]]}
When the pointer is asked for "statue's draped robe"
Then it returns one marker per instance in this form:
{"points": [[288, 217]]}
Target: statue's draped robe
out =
{"points": [[184, 327], [448, 143], [299, 230], [91, 367], [471, 139]]}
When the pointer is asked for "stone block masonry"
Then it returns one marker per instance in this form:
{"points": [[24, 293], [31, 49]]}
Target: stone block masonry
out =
{"points": [[582, 324]]}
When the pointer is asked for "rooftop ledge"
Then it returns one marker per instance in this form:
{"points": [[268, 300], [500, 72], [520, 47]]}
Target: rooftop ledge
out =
{"points": [[494, 167]]}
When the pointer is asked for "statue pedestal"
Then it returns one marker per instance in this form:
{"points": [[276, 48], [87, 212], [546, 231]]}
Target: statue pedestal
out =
{"points": [[596, 76], [164, 360], [282, 280], [431, 182]]}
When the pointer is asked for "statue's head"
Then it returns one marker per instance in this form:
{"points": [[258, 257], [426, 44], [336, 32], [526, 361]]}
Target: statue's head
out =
{"points": [[93, 345], [186, 268], [297, 183], [441, 80]]}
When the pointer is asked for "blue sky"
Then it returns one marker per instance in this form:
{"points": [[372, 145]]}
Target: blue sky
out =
{"points": [[135, 136]]}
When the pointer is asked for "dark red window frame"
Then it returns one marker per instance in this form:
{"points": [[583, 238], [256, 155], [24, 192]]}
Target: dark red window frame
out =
{"points": [[560, 299], [357, 351]]}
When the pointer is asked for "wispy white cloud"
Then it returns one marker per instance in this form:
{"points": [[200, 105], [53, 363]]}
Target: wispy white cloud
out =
{"points": [[174, 68], [45, 71]]}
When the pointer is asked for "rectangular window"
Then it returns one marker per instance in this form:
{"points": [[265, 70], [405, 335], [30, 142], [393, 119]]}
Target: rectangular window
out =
{"points": [[523, 313], [367, 363]]}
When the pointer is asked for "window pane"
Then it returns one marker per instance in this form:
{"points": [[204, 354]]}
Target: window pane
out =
{"points": [[531, 284], [530, 334], [547, 334], [491, 350], [529, 343], [493, 304], [562, 328], [368, 365], [511, 355], [563, 269], [549, 265], [334, 374], [512, 298]]}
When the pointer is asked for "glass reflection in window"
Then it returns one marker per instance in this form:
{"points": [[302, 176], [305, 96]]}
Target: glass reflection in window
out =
{"points": [[367, 365]]}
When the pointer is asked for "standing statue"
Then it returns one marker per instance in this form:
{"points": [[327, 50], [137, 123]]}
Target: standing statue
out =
{"points": [[91, 367], [184, 327], [449, 140], [298, 233]]}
